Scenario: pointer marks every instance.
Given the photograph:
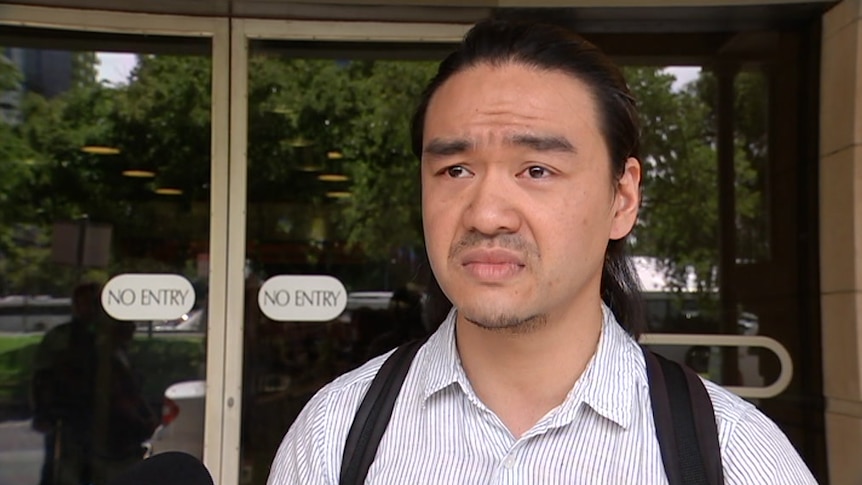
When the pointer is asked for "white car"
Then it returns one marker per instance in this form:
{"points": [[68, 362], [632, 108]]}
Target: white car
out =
{"points": [[182, 420]]}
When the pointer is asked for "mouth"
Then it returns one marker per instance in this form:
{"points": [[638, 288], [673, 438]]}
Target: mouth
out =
{"points": [[492, 264]]}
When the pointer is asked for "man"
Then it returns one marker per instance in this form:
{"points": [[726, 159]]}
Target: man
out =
{"points": [[530, 184], [87, 398], [63, 389]]}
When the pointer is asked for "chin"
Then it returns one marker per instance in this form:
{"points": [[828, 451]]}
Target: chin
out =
{"points": [[498, 317]]}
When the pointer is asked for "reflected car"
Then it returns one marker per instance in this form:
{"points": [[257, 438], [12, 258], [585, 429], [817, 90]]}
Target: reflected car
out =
{"points": [[182, 423]]}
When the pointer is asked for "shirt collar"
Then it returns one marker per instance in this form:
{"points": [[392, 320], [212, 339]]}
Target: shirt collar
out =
{"points": [[608, 384], [441, 363]]}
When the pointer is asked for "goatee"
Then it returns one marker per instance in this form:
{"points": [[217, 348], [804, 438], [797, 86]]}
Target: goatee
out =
{"points": [[510, 323]]}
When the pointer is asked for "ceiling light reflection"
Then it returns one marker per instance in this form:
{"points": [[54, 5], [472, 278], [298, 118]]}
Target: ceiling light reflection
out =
{"points": [[168, 191], [138, 173], [332, 177], [100, 150]]}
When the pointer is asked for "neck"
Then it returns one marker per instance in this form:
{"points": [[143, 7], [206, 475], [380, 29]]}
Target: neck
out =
{"points": [[523, 376]]}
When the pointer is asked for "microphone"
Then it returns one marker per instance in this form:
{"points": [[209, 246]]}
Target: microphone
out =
{"points": [[168, 468]]}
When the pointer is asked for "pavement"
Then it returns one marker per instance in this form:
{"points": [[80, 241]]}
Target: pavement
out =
{"points": [[20, 453]]}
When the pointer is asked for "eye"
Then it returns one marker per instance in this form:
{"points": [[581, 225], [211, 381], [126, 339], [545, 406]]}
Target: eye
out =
{"points": [[536, 172], [456, 171]]}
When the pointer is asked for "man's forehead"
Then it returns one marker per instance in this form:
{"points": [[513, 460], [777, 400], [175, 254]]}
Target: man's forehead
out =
{"points": [[491, 89], [511, 104]]}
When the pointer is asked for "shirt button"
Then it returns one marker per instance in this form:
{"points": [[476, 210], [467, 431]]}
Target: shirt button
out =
{"points": [[509, 462]]}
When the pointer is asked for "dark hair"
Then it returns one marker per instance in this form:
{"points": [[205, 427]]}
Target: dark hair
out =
{"points": [[554, 48]]}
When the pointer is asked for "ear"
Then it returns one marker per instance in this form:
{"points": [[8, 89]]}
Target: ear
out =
{"points": [[626, 200]]}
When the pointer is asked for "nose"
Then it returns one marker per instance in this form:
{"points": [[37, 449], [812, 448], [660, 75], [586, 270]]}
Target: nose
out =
{"points": [[492, 206]]}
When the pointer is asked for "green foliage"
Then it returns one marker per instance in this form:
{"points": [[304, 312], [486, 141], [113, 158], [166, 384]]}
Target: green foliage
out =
{"points": [[752, 143], [384, 211], [84, 69], [14, 343], [16, 358], [679, 217], [161, 122], [163, 360], [679, 220], [10, 76], [48, 179], [301, 110], [160, 362]]}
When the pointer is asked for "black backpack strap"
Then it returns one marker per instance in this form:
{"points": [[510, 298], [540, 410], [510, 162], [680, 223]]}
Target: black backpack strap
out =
{"points": [[372, 418], [685, 423]]}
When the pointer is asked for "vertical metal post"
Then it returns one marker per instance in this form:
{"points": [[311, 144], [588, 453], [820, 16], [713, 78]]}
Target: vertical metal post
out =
{"points": [[79, 250]]}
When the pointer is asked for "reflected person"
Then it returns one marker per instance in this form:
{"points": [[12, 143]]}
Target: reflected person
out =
{"points": [[63, 391], [87, 398]]}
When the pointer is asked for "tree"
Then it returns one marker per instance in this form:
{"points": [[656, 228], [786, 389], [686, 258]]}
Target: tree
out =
{"points": [[349, 118], [344, 117], [47, 178], [17, 167], [308, 117], [679, 222]]}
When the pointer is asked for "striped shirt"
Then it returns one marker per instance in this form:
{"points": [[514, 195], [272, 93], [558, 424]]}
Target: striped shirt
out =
{"points": [[602, 433]]}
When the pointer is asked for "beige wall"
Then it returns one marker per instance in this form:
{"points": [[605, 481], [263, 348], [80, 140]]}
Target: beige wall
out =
{"points": [[841, 237]]}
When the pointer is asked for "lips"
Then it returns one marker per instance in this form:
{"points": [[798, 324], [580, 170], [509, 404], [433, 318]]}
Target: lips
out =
{"points": [[491, 256], [491, 264]]}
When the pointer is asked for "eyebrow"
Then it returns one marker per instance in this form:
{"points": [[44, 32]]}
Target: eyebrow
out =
{"points": [[542, 143], [442, 147]]}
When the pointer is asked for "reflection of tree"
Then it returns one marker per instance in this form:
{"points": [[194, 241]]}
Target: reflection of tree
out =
{"points": [[679, 222], [309, 117], [306, 118], [750, 119], [44, 176]]}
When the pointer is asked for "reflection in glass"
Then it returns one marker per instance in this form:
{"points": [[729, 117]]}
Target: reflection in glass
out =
{"points": [[333, 190], [676, 239], [751, 135], [84, 166]]}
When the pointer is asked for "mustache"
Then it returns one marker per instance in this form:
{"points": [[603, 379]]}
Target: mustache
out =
{"points": [[475, 239]]}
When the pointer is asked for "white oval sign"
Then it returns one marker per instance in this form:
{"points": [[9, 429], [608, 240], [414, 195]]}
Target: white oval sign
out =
{"points": [[148, 297], [302, 298]]}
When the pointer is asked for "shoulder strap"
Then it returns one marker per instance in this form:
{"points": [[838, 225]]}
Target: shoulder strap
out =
{"points": [[372, 418], [685, 423]]}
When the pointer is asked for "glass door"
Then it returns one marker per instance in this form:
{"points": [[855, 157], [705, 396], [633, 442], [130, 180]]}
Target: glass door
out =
{"points": [[333, 191], [105, 244], [333, 266], [330, 262]]}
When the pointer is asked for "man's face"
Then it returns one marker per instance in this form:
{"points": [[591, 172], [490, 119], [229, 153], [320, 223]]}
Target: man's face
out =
{"points": [[518, 198]]}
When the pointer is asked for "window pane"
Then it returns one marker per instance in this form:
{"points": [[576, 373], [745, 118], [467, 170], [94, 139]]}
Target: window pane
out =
{"points": [[104, 171], [333, 190]]}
